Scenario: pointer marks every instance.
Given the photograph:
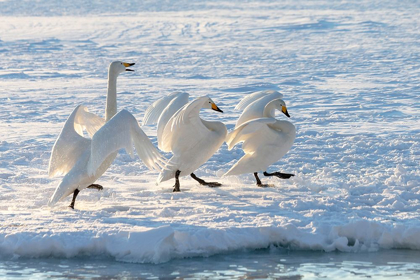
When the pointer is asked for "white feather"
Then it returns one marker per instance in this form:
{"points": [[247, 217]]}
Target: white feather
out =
{"points": [[241, 133], [174, 105], [255, 96], [71, 144], [152, 114], [256, 108], [123, 131], [265, 141]]}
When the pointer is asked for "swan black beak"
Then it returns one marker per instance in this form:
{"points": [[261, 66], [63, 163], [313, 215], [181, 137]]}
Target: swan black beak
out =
{"points": [[214, 107], [128, 65], [284, 110]]}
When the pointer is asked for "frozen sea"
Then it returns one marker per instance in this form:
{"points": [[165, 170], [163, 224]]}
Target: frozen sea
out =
{"points": [[271, 263], [349, 72]]}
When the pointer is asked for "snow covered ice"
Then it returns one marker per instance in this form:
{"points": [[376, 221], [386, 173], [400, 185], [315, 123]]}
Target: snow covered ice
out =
{"points": [[349, 73]]}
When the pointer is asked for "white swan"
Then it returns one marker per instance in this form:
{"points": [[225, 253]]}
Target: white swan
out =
{"points": [[181, 131], [83, 160], [266, 140]]}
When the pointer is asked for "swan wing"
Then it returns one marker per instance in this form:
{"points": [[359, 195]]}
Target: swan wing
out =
{"points": [[71, 144], [84, 120], [244, 131], [255, 96], [256, 108], [174, 105], [272, 132], [183, 127], [123, 131], [152, 114], [265, 141]]}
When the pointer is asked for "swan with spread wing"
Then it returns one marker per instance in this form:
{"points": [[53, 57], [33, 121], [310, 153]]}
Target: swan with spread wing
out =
{"points": [[265, 139], [181, 131], [83, 160]]}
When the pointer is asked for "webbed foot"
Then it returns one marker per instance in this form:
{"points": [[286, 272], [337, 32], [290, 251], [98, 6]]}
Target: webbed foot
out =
{"points": [[95, 186], [279, 175], [212, 184], [265, 185], [204, 183]]}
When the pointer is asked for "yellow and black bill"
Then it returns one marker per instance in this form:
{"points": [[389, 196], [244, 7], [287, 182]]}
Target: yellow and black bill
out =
{"points": [[284, 110], [214, 107], [128, 65]]}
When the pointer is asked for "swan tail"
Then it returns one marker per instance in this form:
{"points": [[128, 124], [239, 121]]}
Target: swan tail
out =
{"points": [[165, 175], [168, 172], [64, 189], [247, 164]]}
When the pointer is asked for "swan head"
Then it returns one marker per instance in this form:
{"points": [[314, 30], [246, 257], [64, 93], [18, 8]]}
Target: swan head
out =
{"points": [[118, 67], [209, 104], [280, 105], [284, 108]]}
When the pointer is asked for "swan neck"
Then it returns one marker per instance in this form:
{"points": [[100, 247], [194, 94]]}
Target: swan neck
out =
{"points": [[269, 110], [111, 98]]}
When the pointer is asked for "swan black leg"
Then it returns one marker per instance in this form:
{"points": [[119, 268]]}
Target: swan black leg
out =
{"points": [[176, 186], [204, 183], [259, 184], [95, 186], [75, 193], [258, 179], [279, 175]]}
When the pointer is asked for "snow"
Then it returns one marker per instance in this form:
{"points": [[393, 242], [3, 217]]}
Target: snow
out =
{"points": [[349, 74]]}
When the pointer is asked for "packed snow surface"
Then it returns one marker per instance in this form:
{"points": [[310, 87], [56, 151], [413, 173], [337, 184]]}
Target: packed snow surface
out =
{"points": [[349, 72]]}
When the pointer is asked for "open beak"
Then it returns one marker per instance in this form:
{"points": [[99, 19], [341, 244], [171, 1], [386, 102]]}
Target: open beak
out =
{"points": [[284, 110], [128, 65], [214, 107]]}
